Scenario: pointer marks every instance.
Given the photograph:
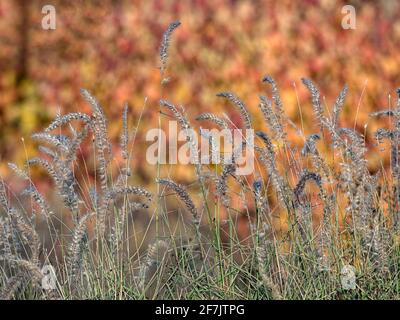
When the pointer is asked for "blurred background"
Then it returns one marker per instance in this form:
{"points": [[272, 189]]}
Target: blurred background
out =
{"points": [[110, 47]]}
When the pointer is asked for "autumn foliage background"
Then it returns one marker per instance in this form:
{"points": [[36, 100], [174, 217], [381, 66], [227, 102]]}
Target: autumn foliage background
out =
{"points": [[111, 48]]}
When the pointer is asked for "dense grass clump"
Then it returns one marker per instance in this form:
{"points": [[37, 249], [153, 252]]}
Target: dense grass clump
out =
{"points": [[312, 225]]}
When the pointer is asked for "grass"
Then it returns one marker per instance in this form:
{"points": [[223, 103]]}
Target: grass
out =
{"points": [[310, 222]]}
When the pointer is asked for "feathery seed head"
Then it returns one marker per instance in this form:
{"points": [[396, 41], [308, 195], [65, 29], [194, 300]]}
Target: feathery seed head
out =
{"points": [[165, 44], [309, 145], [213, 118], [257, 185], [244, 113], [19, 172], [268, 79], [304, 177], [183, 195]]}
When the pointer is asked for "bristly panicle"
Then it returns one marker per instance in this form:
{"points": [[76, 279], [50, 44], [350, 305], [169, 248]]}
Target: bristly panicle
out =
{"points": [[213, 118], [19, 172], [126, 190], [392, 135], [304, 177], [124, 135], [378, 245], [11, 286], [31, 269], [382, 113], [64, 181], [183, 121], [60, 121], [59, 141], [222, 186], [267, 141], [54, 155], [114, 192], [356, 149], [99, 122], [304, 208], [309, 145], [19, 234], [102, 145], [318, 161], [77, 246], [338, 106], [279, 110], [275, 96], [184, 196], [39, 199], [383, 133], [359, 185], [6, 236], [244, 113], [272, 119], [267, 156], [49, 168], [165, 45], [76, 142], [316, 102], [28, 233], [260, 200], [266, 278], [154, 271]]}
